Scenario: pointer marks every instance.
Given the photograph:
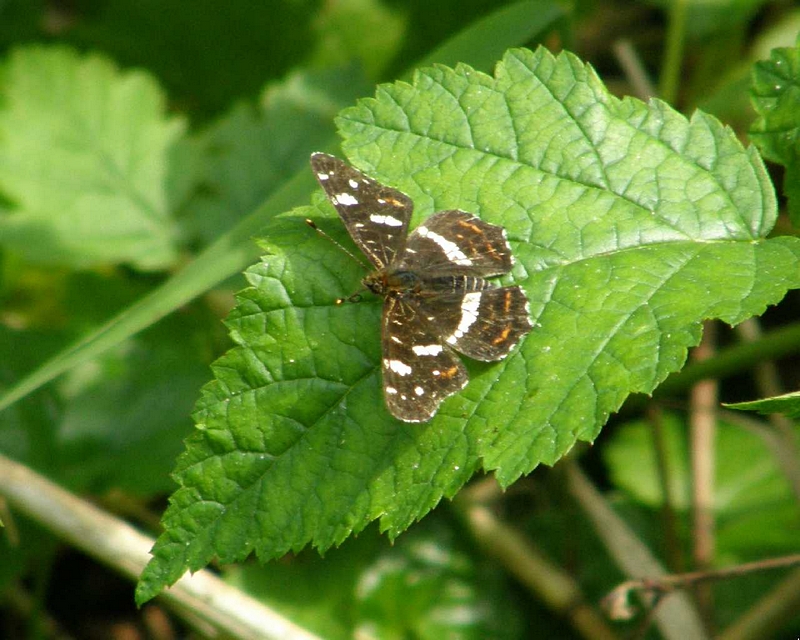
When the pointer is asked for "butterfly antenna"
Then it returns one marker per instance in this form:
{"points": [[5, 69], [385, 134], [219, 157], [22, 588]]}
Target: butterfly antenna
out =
{"points": [[314, 226], [356, 296]]}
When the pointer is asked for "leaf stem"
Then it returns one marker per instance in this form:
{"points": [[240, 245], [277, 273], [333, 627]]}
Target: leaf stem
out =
{"points": [[673, 52], [776, 344]]}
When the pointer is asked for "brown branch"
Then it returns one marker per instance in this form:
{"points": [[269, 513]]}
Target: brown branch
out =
{"points": [[617, 602], [703, 420]]}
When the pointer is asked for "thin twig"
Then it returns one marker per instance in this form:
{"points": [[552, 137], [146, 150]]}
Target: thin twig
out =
{"points": [[616, 602], [634, 70]]}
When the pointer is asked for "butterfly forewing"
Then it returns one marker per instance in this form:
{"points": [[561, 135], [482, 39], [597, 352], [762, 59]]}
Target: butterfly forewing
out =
{"points": [[419, 372], [376, 216], [458, 242]]}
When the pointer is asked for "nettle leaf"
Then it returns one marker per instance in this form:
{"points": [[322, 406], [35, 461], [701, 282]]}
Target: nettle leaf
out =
{"points": [[787, 404], [630, 225], [776, 98], [84, 157]]}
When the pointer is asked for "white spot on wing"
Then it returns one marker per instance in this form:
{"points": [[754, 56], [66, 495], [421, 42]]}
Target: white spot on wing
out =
{"points": [[419, 390], [451, 250], [387, 220], [346, 199], [427, 349], [323, 176], [469, 314], [391, 391], [400, 368], [353, 183]]}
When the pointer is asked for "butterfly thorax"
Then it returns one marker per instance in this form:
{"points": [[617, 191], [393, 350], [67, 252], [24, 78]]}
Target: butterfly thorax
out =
{"points": [[400, 282], [385, 282]]}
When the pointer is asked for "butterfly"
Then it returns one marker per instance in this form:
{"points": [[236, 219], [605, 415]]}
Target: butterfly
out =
{"points": [[436, 300]]}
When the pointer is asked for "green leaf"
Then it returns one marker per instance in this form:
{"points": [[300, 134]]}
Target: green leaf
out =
{"points": [[252, 149], [787, 404], [75, 432], [746, 474], [366, 30], [206, 58], [776, 98], [99, 446], [754, 506], [427, 585], [630, 224], [84, 154]]}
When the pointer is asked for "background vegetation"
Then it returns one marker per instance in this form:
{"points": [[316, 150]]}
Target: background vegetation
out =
{"points": [[151, 152]]}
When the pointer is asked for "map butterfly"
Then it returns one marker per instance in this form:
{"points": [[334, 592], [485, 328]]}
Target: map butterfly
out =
{"points": [[436, 301]]}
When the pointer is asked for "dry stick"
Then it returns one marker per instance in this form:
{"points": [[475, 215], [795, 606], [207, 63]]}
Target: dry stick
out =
{"points": [[702, 422], [547, 581], [662, 585], [118, 545], [631, 65]]}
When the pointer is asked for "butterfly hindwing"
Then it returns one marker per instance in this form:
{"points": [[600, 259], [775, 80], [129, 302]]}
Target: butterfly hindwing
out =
{"points": [[376, 216], [482, 324], [419, 372], [456, 242]]}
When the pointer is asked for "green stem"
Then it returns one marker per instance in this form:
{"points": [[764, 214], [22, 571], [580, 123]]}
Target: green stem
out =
{"points": [[776, 344], [673, 53]]}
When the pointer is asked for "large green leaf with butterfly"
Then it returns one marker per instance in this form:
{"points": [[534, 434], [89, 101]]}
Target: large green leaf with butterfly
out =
{"points": [[630, 225]]}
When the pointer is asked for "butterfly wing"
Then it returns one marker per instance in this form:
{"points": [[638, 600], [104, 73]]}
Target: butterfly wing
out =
{"points": [[375, 216], [419, 372], [456, 242], [483, 324]]}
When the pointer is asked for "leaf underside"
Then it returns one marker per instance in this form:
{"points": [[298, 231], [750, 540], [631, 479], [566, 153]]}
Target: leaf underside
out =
{"points": [[630, 225]]}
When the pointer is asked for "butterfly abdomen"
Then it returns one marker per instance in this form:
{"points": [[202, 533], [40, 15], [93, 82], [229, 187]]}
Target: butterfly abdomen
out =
{"points": [[455, 284]]}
